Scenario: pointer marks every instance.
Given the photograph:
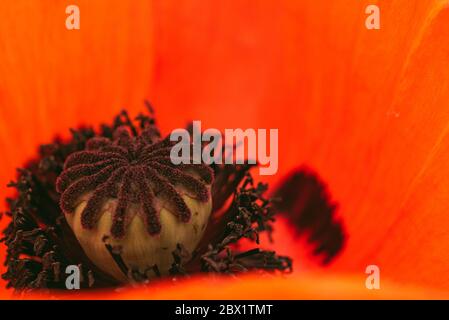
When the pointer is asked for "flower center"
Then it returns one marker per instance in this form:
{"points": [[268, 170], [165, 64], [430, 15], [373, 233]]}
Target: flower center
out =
{"points": [[131, 169]]}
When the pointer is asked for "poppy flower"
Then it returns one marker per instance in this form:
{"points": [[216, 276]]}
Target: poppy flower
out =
{"points": [[364, 110]]}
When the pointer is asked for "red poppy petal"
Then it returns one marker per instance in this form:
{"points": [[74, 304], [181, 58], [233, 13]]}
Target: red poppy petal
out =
{"points": [[365, 108], [306, 286]]}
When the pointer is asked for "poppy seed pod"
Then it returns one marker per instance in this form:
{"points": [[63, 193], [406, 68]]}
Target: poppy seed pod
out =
{"points": [[130, 207]]}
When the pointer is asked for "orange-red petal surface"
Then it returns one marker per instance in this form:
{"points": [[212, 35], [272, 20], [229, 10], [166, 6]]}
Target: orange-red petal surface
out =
{"points": [[306, 286], [366, 108]]}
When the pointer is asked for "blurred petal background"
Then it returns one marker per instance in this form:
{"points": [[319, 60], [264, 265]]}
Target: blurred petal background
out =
{"points": [[367, 109]]}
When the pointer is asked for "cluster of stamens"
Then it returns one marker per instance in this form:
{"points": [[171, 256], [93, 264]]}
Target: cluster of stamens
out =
{"points": [[133, 170]]}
